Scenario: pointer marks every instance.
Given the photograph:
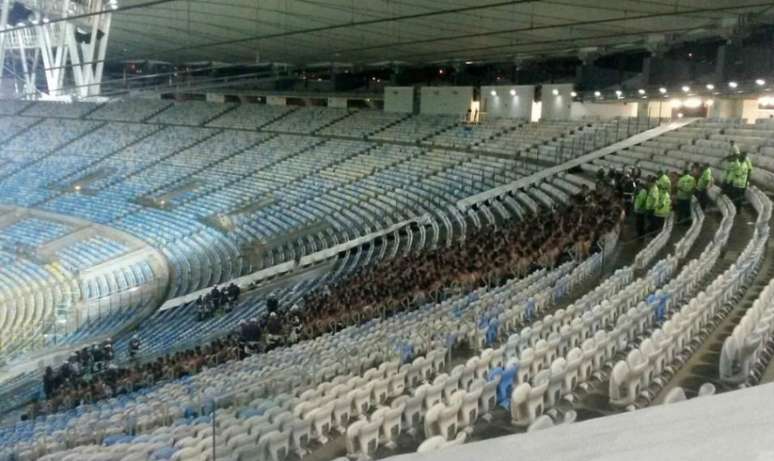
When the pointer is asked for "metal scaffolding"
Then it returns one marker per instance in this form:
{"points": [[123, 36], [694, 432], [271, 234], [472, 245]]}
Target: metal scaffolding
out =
{"points": [[65, 41]]}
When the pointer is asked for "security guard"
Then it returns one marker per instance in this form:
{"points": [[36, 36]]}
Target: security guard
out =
{"points": [[741, 178], [664, 183], [706, 180], [651, 202], [730, 167], [685, 188], [640, 209], [663, 209], [748, 167]]}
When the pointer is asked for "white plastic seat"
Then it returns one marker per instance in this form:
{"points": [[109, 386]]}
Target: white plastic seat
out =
{"points": [[300, 433], [469, 410], [342, 412], [488, 400], [278, 445], [397, 385], [448, 420], [674, 396], [354, 449], [391, 425], [432, 421], [368, 437], [574, 360], [322, 421], [626, 379], [361, 401], [706, 389], [556, 383], [412, 411]]}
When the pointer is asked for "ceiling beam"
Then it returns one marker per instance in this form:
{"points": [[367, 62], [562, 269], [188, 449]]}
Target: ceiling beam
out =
{"points": [[592, 22]]}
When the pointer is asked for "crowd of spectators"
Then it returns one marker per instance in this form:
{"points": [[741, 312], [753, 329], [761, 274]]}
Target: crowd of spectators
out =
{"points": [[486, 258], [489, 257], [217, 300], [87, 378]]}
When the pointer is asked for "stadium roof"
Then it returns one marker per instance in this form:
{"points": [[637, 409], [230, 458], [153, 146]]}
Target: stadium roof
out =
{"points": [[380, 32]]}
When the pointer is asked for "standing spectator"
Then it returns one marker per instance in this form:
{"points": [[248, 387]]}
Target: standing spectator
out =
{"points": [[134, 347]]}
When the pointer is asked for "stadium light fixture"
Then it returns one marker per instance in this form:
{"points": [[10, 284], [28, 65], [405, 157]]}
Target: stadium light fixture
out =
{"points": [[641, 91], [733, 84], [662, 90], [513, 92], [618, 92], [760, 82], [686, 88], [493, 93], [710, 86], [597, 94], [574, 94], [555, 92]]}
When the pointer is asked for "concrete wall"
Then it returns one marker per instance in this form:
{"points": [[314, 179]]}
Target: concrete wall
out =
{"points": [[557, 106], [659, 109], [337, 102], [726, 108], [276, 101], [446, 99], [579, 110], [506, 105], [751, 111], [215, 97], [399, 99]]}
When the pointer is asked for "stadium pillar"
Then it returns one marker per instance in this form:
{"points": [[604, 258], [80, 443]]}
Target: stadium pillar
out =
{"points": [[720, 63], [3, 23]]}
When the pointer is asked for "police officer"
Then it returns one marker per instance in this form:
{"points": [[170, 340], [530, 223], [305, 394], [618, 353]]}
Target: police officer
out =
{"points": [[747, 167], [740, 178], [685, 188], [730, 167], [640, 209], [650, 204], [706, 180], [664, 183], [663, 209]]}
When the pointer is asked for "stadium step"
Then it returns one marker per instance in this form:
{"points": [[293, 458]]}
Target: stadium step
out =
{"points": [[220, 114], [701, 364], [336, 120], [155, 113], [595, 400], [86, 114], [279, 117]]}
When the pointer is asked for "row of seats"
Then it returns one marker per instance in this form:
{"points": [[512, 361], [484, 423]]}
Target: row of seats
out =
{"points": [[553, 357], [748, 349], [670, 346], [343, 341]]}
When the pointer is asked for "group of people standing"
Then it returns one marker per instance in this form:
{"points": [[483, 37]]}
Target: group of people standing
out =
{"points": [[653, 201], [211, 303]]}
